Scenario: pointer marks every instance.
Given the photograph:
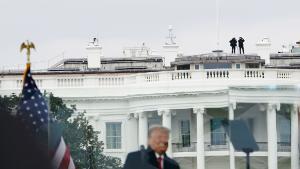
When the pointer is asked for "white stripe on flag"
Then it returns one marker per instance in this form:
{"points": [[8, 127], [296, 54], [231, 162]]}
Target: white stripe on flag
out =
{"points": [[71, 164], [59, 154]]}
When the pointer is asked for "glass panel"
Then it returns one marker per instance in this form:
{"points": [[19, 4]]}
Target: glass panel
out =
{"points": [[185, 133], [113, 135], [284, 128], [218, 135], [215, 138], [217, 65], [154, 120]]}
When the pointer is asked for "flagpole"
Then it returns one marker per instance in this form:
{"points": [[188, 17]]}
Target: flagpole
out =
{"points": [[48, 125], [218, 23]]}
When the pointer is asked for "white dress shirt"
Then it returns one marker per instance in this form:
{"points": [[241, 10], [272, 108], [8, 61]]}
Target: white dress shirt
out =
{"points": [[162, 159]]}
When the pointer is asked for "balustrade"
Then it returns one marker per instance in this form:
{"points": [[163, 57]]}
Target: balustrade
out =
{"points": [[255, 74], [217, 74], [164, 77]]}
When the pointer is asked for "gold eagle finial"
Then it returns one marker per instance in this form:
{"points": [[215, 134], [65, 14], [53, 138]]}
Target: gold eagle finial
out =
{"points": [[28, 46]]}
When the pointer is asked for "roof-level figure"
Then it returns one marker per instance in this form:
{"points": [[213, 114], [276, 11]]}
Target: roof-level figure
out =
{"points": [[94, 42]]}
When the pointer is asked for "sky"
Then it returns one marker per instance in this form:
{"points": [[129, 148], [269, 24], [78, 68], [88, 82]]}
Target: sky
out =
{"points": [[63, 28]]}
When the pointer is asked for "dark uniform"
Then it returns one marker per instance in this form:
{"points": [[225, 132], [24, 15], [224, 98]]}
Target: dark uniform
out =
{"points": [[233, 44], [241, 45], [146, 159]]}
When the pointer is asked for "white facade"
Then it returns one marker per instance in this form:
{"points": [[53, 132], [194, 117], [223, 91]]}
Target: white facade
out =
{"points": [[190, 103]]}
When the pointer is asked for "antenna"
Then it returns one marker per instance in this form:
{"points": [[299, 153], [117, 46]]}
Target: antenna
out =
{"points": [[142, 49], [171, 37], [218, 23], [97, 38]]}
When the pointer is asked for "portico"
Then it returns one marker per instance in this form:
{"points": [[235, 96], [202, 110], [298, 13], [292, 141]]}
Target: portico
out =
{"points": [[207, 141]]}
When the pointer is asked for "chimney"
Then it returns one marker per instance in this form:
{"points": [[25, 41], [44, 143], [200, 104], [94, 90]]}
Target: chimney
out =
{"points": [[94, 54], [170, 49], [264, 49]]}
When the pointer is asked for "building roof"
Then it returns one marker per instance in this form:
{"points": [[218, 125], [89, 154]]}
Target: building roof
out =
{"points": [[218, 56], [285, 56], [129, 67], [110, 60], [77, 71]]}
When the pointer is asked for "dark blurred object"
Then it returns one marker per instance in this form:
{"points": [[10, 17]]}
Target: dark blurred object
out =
{"points": [[241, 138], [240, 135], [19, 149]]}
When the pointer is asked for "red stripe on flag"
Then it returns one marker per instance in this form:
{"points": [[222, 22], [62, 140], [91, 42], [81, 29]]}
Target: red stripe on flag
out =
{"points": [[66, 160]]}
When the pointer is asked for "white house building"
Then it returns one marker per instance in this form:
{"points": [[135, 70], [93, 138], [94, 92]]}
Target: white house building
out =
{"points": [[122, 103]]}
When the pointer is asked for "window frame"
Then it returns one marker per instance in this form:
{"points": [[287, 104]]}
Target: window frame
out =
{"points": [[216, 136], [107, 137], [185, 136]]}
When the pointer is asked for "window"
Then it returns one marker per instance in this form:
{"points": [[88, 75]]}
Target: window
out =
{"points": [[183, 67], [238, 66], [113, 135], [284, 129], [197, 67], [217, 65], [185, 133], [218, 135], [154, 120], [252, 65]]}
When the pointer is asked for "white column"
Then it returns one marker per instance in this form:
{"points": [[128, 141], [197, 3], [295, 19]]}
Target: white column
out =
{"points": [[200, 137], [272, 135], [131, 133], [232, 107], [143, 129], [294, 138], [167, 122]]}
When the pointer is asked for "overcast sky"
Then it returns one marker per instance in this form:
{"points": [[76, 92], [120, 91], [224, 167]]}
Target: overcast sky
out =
{"points": [[63, 27]]}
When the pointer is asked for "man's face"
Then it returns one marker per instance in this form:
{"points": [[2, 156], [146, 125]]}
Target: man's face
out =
{"points": [[158, 141]]}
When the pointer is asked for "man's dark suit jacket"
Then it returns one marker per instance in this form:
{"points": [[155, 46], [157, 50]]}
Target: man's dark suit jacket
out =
{"points": [[146, 159]]}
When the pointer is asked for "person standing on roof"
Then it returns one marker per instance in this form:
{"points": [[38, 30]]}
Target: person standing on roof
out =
{"points": [[233, 44], [241, 45]]}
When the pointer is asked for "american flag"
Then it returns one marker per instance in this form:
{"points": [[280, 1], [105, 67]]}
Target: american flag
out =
{"points": [[33, 111]]}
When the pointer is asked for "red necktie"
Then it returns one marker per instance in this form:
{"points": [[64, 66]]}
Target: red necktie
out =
{"points": [[159, 160]]}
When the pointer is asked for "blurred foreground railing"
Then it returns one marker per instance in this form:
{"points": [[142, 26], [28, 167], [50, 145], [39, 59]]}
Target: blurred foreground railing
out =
{"points": [[208, 146]]}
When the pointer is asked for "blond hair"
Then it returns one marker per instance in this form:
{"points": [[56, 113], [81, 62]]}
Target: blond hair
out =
{"points": [[158, 128]]}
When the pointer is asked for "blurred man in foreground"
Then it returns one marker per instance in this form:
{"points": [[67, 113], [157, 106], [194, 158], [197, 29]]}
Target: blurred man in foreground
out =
{"points": [[154, 157]]}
